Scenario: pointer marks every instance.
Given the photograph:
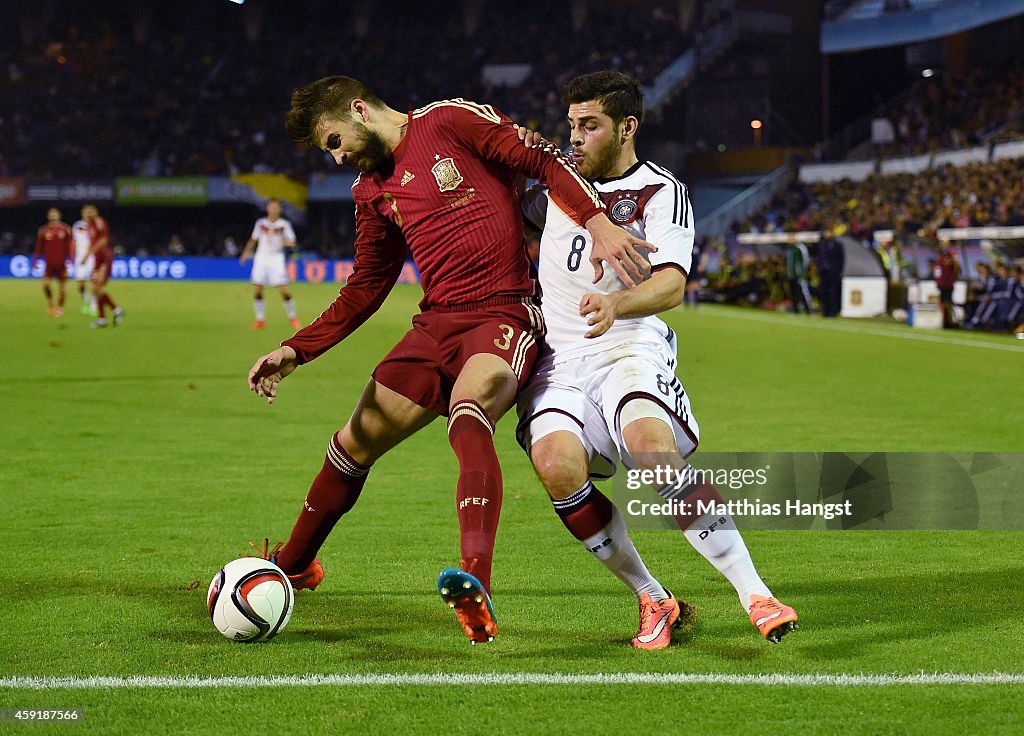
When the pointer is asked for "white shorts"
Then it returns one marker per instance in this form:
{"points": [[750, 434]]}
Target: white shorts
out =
{"points": [[83, 271], [586, 396], [269, 272]]}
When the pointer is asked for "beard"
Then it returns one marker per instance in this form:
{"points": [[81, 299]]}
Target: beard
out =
{"points": [[374, 153], [598, 164]]}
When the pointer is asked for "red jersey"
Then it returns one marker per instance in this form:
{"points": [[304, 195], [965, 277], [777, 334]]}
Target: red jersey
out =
{"points": [[99, 232], [946, 270], [450, 199], [55, 241]]}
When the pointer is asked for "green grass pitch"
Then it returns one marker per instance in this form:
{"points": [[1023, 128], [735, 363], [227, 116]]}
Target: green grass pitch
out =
{"points": [[135, 463]]}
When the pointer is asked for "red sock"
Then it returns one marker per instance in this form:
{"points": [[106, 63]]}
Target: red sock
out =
{"points": [[586, 512], [101, 306], [110, 302], [704, 492], [334, 492], [471, 434]]}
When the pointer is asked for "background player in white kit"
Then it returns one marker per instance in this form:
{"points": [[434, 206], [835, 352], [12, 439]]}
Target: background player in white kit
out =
{"points": [[606, 391], [84, 263], [270, 236]]}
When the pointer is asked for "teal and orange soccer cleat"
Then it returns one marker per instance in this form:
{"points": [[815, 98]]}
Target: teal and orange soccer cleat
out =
{"points": [[658, 619], [308, 579], [772, 618], [472, 604]]}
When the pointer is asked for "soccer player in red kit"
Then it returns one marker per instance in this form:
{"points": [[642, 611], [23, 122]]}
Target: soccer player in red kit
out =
{"points": [[100, 250], [438, 182], [947, 271], [55, 244]]}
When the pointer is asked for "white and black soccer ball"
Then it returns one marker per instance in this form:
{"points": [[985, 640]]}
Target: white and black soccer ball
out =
{"points": [[250, 599]]}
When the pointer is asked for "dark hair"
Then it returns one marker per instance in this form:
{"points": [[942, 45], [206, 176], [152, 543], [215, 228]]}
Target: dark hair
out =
{"points": [[619, 94], [327, 96]]}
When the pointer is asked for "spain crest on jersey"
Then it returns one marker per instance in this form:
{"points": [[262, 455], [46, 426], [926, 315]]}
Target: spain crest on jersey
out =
{"points": [[447, 174]]}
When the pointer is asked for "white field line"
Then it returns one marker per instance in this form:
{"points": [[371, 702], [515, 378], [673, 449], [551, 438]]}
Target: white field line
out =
{"points": [[802, 321], [523, 678]]}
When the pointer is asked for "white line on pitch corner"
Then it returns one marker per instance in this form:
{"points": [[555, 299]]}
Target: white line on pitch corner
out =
{"points": [[801, 322], [522, 678]]}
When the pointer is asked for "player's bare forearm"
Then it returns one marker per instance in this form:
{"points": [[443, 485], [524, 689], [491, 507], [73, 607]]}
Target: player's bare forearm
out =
{"points": [[663, 291], [247, 251], [269, 370]]}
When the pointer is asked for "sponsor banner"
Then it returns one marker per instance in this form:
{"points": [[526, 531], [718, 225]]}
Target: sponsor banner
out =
{"points": [[331, 187], [825, 491], [69, 190], [12, 192], [225, 189], [173, 191], [206, 269], [276, 186]]}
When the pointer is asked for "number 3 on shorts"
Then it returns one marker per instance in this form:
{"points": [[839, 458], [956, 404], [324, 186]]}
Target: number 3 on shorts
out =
{"points": [[505, 341]]}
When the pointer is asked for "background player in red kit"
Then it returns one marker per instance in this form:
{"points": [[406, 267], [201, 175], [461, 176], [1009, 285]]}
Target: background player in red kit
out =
{"points": [[947, 271], [54, 243], [437, 181], [100, 250]]}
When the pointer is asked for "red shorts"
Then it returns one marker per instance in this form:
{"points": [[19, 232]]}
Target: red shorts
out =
{"points": [[101, 271], [424, 364], [56, 271]]}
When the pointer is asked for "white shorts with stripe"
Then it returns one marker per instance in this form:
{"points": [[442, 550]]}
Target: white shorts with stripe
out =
{"points": [[586, 396]]}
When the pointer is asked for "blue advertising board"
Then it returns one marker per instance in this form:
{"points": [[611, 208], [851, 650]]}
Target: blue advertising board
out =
{"points": [[205, 269]]}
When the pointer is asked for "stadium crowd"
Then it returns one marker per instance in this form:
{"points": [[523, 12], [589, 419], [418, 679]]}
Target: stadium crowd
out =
{"points": [[951, 110], [946, 196], [103, 102]]}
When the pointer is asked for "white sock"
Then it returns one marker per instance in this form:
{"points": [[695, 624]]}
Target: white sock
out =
{"points": [[715, 536], [613, 547], [289, 307], [259, 309]]}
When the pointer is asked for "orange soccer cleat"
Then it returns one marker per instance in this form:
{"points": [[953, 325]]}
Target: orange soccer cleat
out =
{"points": [[465, 595], [295, 323], [308, 579], [658, 619], [258, 324], [772, 618]]}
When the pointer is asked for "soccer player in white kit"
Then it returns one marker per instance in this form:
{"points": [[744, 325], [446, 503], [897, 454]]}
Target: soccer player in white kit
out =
{"points": [[84, 263], [270, 236], [606, 391]]}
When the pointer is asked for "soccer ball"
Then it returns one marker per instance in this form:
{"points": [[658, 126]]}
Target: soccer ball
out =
{"points": [[250, 599]]}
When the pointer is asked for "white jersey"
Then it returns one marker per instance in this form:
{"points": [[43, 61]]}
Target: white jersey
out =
{"points": [[650, 203], [271, 237], [80, 234]]}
